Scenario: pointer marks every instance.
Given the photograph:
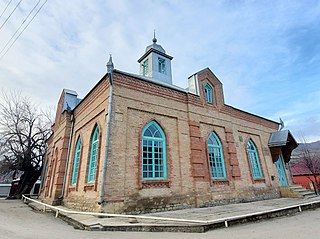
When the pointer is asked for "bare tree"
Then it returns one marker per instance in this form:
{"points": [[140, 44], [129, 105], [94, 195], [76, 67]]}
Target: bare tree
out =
{"points": [[23, 133], [310, 160]]}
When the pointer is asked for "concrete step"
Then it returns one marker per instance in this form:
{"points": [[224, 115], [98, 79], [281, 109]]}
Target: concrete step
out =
{"points": [[307, 193], [302, 191], [295, 186], [311, 196]]}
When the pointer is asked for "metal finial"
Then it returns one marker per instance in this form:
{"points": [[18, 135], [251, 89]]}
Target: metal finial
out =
{"points": [[154, 36], [281, 124], [110, 65]]}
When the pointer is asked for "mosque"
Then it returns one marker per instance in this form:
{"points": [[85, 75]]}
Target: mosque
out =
{"points": [[137, 143]]}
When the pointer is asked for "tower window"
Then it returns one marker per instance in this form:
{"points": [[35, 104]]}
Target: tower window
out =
{"points": [[145, 68], [208, 93], [162, 65]]}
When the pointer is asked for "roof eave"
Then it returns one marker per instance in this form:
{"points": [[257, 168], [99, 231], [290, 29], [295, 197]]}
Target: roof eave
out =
{"points": [[156, 51]]}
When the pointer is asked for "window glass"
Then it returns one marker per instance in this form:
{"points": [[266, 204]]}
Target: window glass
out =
{"points": [[208, 93], [93, 156], [76, 162], [162, 65], [153, 152], [254, 160], [216, 159], [145, 66]]}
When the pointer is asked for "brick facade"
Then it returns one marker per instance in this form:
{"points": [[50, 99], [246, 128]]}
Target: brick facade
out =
{"points": [[187, 121]]}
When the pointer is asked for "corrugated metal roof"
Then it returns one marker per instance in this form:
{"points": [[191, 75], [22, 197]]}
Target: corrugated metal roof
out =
{"points": [[71, 92], [300, 168], [140, 77], [278, 138]]}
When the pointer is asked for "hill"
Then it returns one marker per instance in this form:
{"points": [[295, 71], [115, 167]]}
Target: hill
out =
{"points": [[314, 146]]}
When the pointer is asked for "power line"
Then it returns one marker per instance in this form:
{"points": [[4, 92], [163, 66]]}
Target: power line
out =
{"points": [[23, 29], [5, 8], [19, 27], [11, 14]]}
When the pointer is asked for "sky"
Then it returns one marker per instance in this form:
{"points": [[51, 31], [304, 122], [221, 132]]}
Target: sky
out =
{"points": [[266, 53]]}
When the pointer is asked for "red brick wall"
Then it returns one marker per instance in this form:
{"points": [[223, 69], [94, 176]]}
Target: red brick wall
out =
{"points": [[303, 180]]}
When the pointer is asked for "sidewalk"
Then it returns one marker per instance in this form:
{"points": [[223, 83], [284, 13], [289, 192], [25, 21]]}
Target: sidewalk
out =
{"points": [[195, 219]]}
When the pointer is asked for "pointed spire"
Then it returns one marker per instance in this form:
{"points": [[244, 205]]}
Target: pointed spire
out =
{"points": [[110, 65], [281, 124], [154, 37]]}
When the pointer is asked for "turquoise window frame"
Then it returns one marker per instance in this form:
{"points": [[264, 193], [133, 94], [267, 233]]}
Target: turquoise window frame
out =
{"points": [[76, 160], [154, 161], [162, 65], [44, 177], [208, 93], [254, 160], [93, 156], [215, 154], [145, 68]]}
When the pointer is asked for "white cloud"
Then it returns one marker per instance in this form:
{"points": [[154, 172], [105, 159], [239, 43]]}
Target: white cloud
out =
{"points": [[255, 48]]}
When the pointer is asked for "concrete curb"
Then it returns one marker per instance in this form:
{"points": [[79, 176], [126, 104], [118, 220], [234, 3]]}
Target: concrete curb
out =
{"points": [[188, 227]]}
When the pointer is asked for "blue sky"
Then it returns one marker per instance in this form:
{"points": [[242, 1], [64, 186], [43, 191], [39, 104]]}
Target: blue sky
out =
{"points": [[266, 53]]}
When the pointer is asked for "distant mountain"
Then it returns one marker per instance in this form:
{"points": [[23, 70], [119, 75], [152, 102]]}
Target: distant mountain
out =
{"points": [[314, 146]]}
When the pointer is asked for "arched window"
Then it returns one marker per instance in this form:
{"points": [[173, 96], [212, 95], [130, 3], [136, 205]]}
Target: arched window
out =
{"points": [[44, 176], [93, 156], [254, 160], [218, 170], [76, 162], [208, 93], [154, 164]]}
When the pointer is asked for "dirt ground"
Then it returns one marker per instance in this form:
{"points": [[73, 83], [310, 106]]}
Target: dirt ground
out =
{"points": [[17, 220]]}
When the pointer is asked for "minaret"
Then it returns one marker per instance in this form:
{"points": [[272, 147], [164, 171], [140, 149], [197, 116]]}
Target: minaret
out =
{"points": [[155, 63]]}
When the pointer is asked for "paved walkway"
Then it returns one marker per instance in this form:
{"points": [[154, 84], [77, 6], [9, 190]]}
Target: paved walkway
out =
{"points": [[193, 220]]}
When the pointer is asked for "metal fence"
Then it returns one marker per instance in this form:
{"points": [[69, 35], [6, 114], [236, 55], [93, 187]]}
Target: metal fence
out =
{"points": [[4, 189]]}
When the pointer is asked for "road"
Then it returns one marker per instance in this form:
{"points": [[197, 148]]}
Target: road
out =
{"points": [[17, 220]]}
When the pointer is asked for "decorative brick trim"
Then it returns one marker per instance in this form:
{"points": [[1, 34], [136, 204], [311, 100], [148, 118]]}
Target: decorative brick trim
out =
{"points": [[148, 87], [259, 180], [88, 187], [199, 161], [185, 97], [231, 153], [100, 89], [220, 182], [226, 109], [71, 189], [155, 184]]}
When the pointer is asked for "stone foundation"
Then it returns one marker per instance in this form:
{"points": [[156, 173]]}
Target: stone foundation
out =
{"points": [[158, 204]]}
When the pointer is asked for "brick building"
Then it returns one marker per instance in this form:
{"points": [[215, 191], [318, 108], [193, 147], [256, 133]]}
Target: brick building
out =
{"points": [[137, 143]]}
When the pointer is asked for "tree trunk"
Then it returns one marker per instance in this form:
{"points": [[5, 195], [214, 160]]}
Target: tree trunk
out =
{"points": [[315, 186], [27, 180], [318, 185]]}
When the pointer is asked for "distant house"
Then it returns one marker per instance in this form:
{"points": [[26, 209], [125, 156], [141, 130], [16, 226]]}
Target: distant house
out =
{"points": [[302, 175]]}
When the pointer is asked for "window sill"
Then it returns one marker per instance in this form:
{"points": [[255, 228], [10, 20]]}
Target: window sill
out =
{"points": [[155, 184], [220, 182], [89, 187], [259, 180], [72, 188]]}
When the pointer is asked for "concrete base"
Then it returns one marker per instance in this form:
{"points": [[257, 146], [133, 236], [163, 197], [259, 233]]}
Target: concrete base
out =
{"points": [[207, 218]]}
